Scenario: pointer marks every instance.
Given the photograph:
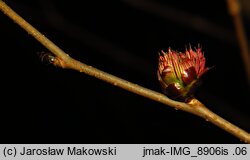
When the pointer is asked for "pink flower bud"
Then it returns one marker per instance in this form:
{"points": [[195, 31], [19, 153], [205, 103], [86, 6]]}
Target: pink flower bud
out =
{"points": [[179, 73]]}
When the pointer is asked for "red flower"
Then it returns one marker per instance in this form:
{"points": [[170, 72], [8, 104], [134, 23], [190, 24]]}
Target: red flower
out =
{"points": [[179, 73]]}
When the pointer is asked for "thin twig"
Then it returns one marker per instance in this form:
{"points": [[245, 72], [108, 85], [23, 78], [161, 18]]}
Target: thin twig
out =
{"points": [[99, 43], [234, 10], [189, 20], [65, 61]]}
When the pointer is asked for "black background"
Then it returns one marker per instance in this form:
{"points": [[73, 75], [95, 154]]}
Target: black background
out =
{"points": [[44, 104]]}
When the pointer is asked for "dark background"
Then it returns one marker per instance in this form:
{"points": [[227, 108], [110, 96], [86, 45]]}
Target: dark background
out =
{"points": [[44, 104]]}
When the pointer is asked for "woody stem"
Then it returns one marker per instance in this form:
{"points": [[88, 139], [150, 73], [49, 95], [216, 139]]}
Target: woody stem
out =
{"points": [[195, 107]]}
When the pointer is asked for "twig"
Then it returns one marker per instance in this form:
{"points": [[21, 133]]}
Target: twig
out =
{"points": [[234, 10], [65, 61], [189, 20], [99, 43]]}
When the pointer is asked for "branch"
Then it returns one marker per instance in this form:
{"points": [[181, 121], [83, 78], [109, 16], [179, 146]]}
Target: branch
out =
{"points": [[234, 10], [198, 23], [65, 61]]}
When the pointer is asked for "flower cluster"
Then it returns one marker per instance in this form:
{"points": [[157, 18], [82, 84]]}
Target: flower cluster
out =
{"points": [[179, 73]]}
